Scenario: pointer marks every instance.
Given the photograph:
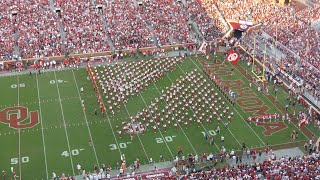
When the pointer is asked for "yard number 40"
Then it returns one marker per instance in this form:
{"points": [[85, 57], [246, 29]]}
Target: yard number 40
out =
{"points": [[74, 152]]}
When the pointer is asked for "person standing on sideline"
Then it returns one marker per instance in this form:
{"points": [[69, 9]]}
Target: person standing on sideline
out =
{"points": [[79, 168]]}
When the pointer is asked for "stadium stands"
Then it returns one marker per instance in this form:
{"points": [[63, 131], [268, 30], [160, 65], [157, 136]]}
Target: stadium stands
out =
{"points": [[210, 28], [6, 31], [168, 19], [85, 31], [305, 167], [38, 30], [126, 27]]}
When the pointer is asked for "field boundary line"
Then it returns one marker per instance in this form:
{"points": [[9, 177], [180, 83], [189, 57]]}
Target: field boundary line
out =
{"points": [[157, 128], [64, 122], [86, 119], [233, 108], [42, 132], [19, 135]]}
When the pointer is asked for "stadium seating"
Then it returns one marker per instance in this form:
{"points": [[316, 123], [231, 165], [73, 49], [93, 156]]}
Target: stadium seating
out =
{"points": [[6, 31], [168, 20], [210, 28], [85, 31], [304, 167], [38, 30], [126, 27]]}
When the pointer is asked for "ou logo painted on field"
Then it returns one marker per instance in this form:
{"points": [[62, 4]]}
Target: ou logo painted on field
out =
{"points": [[233, 57], [16, 117]]}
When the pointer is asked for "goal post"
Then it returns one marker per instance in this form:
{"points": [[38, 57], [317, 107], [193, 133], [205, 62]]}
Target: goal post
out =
{"points": [[260, 77]]}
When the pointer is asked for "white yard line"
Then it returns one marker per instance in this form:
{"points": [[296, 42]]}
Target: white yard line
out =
{"points": [[64, 122], [286, 143], [221, 121], [85, 117], [19, 137], [157, 128], [43, 142], [145, 152], [233, 108]]}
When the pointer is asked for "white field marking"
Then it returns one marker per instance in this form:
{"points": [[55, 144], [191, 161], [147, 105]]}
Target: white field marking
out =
{"points": [[157, 128], [233, 108], [110, 126], [201, 123], [43, 142], [64, 122], [276, 106], [284, 143], [193, 113], [19, 137], [179, 125], [85, 117], [138, 136]]}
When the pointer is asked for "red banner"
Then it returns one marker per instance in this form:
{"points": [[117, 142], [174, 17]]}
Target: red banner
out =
{"points": [[233, 57]]}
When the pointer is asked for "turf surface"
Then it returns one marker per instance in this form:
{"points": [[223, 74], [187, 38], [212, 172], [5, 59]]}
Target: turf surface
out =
{"points": [[61, 138]]}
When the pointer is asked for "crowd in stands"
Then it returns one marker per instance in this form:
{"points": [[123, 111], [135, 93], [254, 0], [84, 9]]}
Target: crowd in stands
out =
{"points": [[38, 30], [249, 165], [168, 20], [210, 28], [126, 27], [6, 31], [85, 31], [304, 167]]}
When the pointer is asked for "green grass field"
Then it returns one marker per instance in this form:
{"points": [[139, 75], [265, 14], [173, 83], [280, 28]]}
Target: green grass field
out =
{"points": [[60, 139]]}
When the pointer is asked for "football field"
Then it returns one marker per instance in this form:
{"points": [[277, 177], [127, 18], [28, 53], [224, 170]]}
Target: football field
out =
{"points": [[44, 129]]}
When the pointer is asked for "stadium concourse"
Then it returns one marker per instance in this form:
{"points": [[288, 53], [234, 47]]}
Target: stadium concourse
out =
{"points": [[44, 28]]}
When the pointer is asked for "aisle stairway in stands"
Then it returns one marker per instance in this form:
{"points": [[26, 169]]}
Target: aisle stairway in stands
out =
{"points": [[61, 30], [105, 22], [154, 36], [195, 27]]}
